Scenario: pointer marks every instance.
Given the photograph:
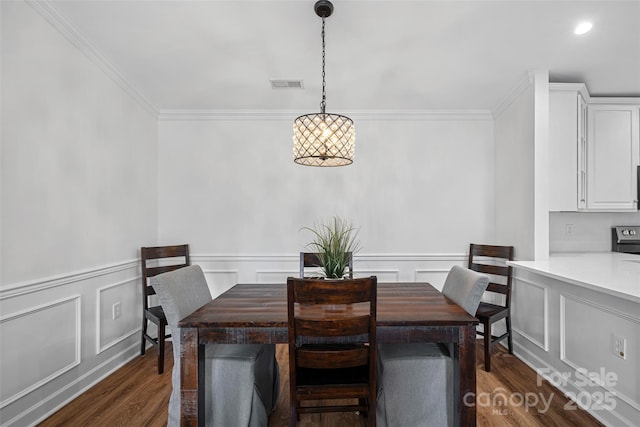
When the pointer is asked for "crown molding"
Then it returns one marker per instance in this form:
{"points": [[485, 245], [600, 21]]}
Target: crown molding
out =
{"points": [[614, 100], [359, 115], [52, 15], [580, 88], [513, 95], [225, 115], [423, 115]]}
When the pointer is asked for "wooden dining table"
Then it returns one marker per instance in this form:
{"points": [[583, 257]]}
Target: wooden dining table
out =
{"points": [[257, 313]]}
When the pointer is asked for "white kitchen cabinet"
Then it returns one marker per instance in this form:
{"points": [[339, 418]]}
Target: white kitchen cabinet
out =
{"points": [[594, 151], [611, 158], [567, 136]]}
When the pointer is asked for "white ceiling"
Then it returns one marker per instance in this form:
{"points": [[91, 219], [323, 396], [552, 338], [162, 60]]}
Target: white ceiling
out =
{"points": [[381, 55]]}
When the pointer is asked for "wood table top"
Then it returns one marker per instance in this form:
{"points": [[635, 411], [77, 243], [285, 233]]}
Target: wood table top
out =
{"points": [[265, 305]]}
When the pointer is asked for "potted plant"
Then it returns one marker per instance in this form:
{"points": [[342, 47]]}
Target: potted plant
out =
{"points": [[333, 240]]}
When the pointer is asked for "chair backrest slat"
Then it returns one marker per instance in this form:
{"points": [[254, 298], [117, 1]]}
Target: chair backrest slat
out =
{"points": [[350, 326], [493, 251], [489, 269], [332, 292], [154, 271], [325, 359], [497, 288]]}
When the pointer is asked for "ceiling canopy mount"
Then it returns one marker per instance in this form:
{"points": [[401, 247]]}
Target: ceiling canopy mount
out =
{"points": [[323, 8]]}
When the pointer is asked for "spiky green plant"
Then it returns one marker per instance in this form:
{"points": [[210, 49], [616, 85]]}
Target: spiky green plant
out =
{"points": [[332, 241]]}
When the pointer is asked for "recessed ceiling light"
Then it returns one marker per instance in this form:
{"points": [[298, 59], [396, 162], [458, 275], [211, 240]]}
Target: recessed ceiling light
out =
{"points": [[583, 27]]}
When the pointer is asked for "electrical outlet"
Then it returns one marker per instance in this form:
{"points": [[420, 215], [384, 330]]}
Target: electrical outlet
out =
{"points": [[619, 347], [568, 230], [116, 310]]}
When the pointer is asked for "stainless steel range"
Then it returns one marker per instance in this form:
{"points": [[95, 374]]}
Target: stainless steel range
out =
{"points": [[626, 239]]}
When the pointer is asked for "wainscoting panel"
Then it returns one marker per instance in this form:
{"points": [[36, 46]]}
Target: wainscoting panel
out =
{"points": [[579, 358], [530, 320], [587, 330], [110, 330], [59, 338], [82, 343], [27, 335]]}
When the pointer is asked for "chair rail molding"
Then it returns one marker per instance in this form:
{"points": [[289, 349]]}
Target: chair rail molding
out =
{"points": [[433, 256], [37, 285]]}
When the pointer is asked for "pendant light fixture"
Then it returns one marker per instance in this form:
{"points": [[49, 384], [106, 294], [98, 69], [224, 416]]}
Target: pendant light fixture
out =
{"points": [[323, 139]]}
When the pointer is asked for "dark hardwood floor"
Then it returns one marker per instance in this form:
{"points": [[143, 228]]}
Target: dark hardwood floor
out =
{"points": [[136, 395]]}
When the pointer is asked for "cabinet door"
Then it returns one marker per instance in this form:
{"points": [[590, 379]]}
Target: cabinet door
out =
{"points": [[564, 135], [612, 157]]}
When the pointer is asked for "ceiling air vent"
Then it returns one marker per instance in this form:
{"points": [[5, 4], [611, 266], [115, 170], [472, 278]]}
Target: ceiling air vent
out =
{"points": [[286, 84]]}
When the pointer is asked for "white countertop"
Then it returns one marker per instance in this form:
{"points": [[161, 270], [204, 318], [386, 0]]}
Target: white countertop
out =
{"points": [[612, 273]]}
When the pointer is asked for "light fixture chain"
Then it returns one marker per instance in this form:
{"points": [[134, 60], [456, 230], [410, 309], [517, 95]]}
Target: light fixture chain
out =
{"points": [[323, 103]]}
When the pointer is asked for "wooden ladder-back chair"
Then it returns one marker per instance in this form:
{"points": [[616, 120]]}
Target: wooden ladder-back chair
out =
{"points": [[491, 260], [332, 345], [312, 260], [157, 260]]}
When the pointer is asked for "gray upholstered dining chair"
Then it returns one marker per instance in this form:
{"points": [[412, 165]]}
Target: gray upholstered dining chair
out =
{"points": [[241, 380], [415, 381]]}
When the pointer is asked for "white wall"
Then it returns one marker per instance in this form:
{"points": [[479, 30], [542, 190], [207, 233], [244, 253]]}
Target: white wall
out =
{"points": [[79, 189], [514, 174], [521, 169], [421, 186], [541, 164]]}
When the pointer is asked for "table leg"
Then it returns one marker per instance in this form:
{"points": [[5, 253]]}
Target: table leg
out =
{"points": [[189, 398], [467, 371]]}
